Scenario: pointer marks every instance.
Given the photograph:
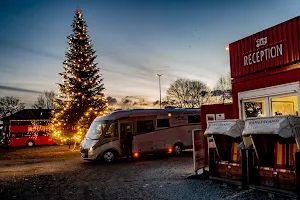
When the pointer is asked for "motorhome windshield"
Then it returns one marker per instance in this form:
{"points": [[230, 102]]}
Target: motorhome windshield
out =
{"points": [[97, 128]]}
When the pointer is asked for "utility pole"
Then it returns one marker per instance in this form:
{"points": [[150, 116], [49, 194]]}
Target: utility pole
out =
{"points": [[159, 75]]}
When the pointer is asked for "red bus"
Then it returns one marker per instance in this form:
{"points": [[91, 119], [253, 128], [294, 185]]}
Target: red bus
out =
{"points": [[29, 133]]}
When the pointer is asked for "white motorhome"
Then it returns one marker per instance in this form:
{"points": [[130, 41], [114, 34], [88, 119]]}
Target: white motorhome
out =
{"points": [[154, 131]]}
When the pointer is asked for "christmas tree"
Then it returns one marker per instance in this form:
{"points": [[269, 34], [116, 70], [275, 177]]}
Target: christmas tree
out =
{"points": [[81, 95]]}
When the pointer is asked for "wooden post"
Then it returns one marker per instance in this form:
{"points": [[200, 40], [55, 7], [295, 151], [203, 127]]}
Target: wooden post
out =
{"points": [[212, 157], [297, 168], [244, 169]]}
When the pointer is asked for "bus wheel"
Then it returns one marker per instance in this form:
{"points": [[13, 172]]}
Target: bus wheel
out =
{"points": [[30, 143], [177, 149], [109, 156]]}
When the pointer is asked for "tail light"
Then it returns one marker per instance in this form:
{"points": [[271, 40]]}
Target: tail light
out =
{"points": [[135, 155], [170, 150]]}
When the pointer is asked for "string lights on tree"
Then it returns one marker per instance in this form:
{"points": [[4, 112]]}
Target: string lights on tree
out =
{"points": [[81, 94]]}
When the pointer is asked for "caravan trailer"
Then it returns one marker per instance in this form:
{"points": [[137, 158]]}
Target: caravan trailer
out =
{"points": [[154, 131]]}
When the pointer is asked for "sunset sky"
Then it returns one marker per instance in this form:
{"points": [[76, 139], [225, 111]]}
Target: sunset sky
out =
{"points": [[134, 40]]}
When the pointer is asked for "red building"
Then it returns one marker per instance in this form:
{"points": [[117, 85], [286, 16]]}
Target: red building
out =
{"points": [[265, 70], [265, 73]]}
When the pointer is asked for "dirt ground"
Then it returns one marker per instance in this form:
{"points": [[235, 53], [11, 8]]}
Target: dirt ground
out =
{"points": [[56, 172], [16, 162]]}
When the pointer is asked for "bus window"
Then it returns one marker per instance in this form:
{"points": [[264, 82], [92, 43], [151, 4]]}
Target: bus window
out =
{"points": [[17, 135], [112, 131], [20, 123], [194, 119], [145, 126], [163, 123]]}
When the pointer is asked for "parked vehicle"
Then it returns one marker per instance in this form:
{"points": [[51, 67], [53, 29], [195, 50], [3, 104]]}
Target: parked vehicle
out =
{"points": [[28, 133], [154, 131]]}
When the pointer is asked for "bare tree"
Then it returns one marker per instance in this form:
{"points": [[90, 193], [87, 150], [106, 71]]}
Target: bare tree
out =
{"points": [[188, 93], [223, 86], [224, 83], [10, 105], [45, 100]]}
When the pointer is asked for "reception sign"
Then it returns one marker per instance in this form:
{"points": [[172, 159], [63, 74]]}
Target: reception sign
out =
{"points": [[267, 49]]}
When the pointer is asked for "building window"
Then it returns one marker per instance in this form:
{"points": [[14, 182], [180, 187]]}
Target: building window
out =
{"points": [[145, 126], [254, 108], [287, 105], [194, 119], [162, 123]]}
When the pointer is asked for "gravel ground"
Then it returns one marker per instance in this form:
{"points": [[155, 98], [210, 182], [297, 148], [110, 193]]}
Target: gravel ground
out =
{"points": [[58, 173]]}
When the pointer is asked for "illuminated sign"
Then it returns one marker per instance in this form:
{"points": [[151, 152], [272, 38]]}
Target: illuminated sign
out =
{"points": [[39, 128], [264, 54]]}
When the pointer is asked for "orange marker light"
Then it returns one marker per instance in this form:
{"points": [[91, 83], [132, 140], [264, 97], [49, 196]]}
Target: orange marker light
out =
{"points": [[170, 150], [136, 155]]}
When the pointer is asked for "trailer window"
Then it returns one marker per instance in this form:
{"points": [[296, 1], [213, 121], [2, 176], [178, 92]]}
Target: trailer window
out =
{"points": [[145, 126], [161, 123], [194, 119]]}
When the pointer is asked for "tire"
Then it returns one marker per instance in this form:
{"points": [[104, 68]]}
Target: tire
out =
{"points": [[30, 143], [109, 156], [177, 149]]}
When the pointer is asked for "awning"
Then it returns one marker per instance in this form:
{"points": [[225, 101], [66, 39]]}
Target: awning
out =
{"points": [[230, 127], [285, 126]]}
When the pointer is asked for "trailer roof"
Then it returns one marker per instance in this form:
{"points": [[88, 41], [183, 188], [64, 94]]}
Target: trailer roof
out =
{"points": [[136, 112]]}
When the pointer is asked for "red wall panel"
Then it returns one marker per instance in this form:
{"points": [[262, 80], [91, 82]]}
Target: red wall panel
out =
{"points": [[215, 109], [269, 54]]}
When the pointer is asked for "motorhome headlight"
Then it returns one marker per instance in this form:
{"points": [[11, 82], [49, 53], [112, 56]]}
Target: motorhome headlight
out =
{"points": [[91, 149]]}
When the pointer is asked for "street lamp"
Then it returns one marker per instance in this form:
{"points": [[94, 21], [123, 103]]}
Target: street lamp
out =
{"points": [[159, 75]]}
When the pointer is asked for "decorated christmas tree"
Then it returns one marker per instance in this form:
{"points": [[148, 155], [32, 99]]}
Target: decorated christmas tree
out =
{"points": [[81, 93]]}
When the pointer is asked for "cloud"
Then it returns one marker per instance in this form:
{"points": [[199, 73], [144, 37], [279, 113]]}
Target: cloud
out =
{"points": [[11, 88], [145, 67], [19, 47]]}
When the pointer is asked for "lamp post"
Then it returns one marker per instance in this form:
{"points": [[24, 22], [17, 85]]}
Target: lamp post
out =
{"points": [[159, 75]]}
